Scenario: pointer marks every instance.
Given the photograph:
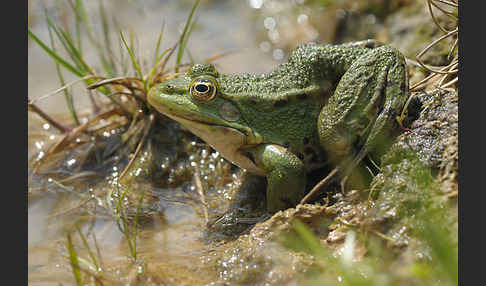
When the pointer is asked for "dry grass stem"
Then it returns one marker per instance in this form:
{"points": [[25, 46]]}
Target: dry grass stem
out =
{"points": [[200, 191], [317, 188], [139, 146], [65, 87]]}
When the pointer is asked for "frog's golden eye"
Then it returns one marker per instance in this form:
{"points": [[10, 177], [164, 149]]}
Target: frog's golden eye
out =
{"points": [[203, 89]]}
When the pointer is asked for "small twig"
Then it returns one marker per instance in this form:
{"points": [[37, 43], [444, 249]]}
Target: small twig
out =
{"points": [[79, 175], [451, 51], [162, 64], [58, 125], [124, 81], [96, 108], [455, 31], [346, 223], [64, 87], [223, 54], [385, 237], [452, 194], [200, 191], [68, 210], [69, 136], [139, 147], [98, 252], [429, 4], [415, 86], [450, 82], [445, 76], [316, 189]]}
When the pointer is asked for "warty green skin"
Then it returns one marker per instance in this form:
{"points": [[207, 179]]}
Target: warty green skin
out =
{"points": [[326, 104]]}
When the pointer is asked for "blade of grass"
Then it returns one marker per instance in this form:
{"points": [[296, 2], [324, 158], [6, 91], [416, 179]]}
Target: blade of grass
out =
{"points": [[54, 55], [132, 56], [108, 64], [77, 29], [68, 46], [98, 252], [183, 37], [123, 227], [193, 24], [122, 62], [148, 82], [135, 226], [86, 245], [82, 16], [159, 40], [73, 258], [67, 95], [162, 64], [74, 52], [58, 34], [69, 67], [309, 239]]}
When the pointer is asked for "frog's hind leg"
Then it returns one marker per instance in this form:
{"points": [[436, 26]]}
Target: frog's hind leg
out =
{"points": [[360, 117]]}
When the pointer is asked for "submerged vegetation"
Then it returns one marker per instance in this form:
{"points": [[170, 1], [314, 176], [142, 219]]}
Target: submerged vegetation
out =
{"points": [[121, 168]]}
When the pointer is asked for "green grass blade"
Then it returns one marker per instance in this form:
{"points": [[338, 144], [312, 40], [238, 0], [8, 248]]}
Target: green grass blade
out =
{"points": [[67, 95], [139, 206], [86, 245], [107, 63], [193, 24], [66, 46], [148, 82], [77, 30], [75, 53], [73, 258], [183, 38], [51, 53], [159, 40], [82, 16], [309, 239], [125, 230], [132, 56]]}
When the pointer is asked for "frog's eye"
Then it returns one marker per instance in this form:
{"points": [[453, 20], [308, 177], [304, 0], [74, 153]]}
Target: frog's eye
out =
{"points": [[203, 89]]}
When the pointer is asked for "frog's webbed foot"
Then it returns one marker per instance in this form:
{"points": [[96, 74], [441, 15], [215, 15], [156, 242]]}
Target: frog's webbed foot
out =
{"points": [[246, 209]]}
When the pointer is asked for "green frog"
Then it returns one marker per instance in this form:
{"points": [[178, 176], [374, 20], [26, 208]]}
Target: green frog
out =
{"points": [[328, 104]]}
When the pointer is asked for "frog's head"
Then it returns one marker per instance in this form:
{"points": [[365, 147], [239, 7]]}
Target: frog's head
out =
{"points": [[196, 101]]}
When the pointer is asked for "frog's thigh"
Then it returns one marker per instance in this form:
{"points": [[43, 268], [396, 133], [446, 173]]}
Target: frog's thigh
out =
{"points": [[395, 92], [365, 103], [285, 174]]}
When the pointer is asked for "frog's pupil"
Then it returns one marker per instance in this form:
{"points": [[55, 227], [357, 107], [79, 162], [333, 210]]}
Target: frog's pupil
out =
{"points": [[201, 88]]}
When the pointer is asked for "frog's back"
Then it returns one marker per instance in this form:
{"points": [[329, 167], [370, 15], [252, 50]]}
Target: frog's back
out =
{"points": [[283, 106]]}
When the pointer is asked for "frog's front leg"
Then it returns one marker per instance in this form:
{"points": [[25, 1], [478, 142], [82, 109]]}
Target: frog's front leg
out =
{"points": [[285, 174], [360, 117]]}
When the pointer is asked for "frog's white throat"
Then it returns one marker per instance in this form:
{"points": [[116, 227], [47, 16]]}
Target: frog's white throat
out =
{"points": [[226, 140]]}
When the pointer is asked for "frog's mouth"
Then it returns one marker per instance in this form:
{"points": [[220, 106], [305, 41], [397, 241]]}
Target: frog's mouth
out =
{"points": [[228, 141]]}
